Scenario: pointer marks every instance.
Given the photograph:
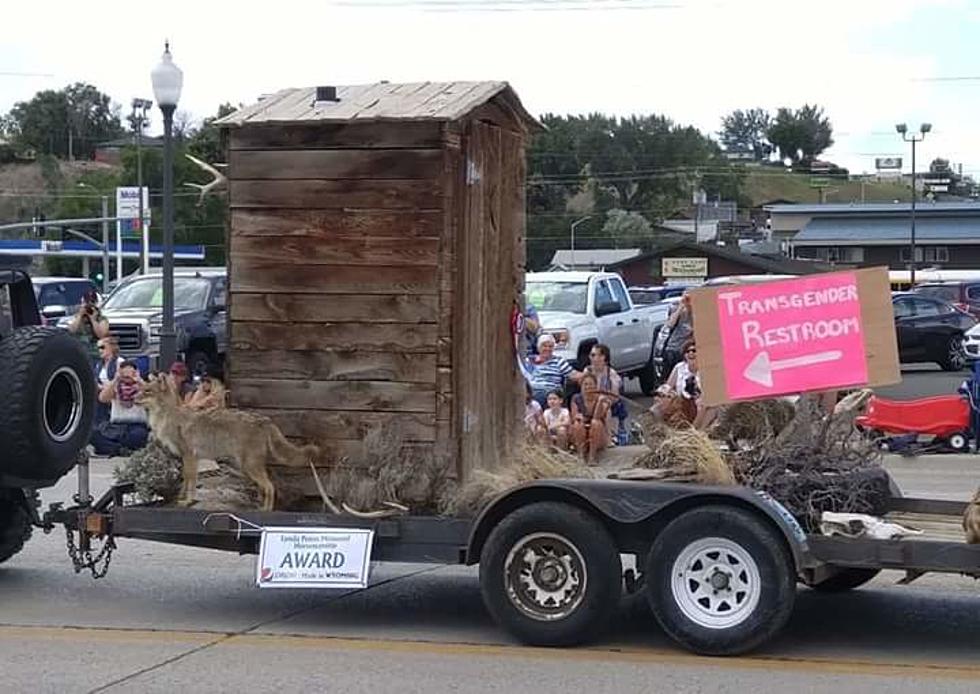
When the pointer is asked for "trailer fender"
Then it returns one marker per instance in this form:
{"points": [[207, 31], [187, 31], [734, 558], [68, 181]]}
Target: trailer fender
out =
{"points": [[622, 503]]}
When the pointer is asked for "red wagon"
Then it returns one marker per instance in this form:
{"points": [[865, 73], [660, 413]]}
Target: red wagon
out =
{"points": [[944, 417]]}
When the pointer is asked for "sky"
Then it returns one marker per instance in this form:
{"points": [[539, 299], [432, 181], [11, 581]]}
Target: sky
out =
{"points": [[869, 63]]}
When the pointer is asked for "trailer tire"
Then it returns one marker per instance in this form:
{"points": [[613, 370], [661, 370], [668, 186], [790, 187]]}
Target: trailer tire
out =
{"points": [[15, 527], [720, 580], [48, 403], [550, 574], [844, 580]]}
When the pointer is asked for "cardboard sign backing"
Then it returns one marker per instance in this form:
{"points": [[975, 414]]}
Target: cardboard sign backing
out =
{"points": [[805, 334]]}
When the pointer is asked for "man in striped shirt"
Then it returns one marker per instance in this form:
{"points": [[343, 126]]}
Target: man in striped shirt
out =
{"points": [[549, 372]]}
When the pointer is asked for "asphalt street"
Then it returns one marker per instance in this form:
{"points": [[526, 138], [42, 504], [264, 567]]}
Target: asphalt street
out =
{"points": [[170, 619]]}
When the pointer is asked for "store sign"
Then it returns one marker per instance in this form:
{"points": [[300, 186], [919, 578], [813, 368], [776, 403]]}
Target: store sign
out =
{"points": [[684, 267], [888, 163], [314, 558], [128, 202]]}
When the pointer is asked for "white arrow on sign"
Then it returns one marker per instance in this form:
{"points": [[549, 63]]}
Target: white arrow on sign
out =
{"points": [[760, 369]]}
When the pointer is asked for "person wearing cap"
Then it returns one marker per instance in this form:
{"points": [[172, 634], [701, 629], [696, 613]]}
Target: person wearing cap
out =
{"points": [[180, 379]]}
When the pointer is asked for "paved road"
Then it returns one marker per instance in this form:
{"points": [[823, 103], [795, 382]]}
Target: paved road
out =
{"points": [[172, 619]]}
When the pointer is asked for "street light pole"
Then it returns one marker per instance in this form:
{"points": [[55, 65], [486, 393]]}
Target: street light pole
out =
{"points": [[575, 224], [167, 82], [902, 130], [105, 244]]}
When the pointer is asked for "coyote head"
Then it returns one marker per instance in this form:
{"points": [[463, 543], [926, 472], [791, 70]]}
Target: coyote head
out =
{"points": [[158, 393]]}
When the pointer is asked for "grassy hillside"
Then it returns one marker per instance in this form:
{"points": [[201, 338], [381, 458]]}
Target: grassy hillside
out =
{"points": [[765, 184], [24, 186]]}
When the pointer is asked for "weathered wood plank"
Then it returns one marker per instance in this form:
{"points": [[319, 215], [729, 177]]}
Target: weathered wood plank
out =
{"points": [[341, 163], [371, 396], [262, 276], [367, 337], [347, 194], [337, 136], [326, 225], [333, 365], [341, 250], [338, 308], [312, 425]]}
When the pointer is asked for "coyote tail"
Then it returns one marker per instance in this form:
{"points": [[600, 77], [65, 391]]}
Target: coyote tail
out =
{"points": [[288, 453]]}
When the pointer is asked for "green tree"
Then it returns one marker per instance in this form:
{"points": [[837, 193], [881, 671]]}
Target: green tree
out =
{"points": [[801, 135], [627, 229], [747, 130], [72, 121], [645, 165]]}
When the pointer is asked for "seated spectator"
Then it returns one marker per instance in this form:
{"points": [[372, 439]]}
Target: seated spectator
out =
{"points": [[590, 410], [126, 430], [210, 395], [685, 382], [105, 372], [610, 383], [180, 380], [557, 421], [533, 421], [548, 371]]}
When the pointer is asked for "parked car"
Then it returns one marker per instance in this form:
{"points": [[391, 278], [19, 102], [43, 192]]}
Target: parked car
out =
{"points": [[60, 297], [135, 317], [584, 308], [930, 330], [644, 296], [963, 295], [971, 343]]}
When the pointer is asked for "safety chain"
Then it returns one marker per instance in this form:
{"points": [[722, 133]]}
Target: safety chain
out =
{"points": [[84, 560]]}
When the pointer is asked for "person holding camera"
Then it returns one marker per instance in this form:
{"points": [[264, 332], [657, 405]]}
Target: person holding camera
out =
{"points": [[88, 324], [685, 382]]}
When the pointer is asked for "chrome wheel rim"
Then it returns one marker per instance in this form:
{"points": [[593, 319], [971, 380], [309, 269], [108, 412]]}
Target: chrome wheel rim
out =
{"points": [[545, 577]]}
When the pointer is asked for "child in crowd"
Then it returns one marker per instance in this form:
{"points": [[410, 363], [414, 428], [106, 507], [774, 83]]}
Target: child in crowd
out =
{"points": [[557, 420], [533, 419]]}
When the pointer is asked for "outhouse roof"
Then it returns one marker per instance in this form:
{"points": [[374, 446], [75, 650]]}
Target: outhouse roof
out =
{"points": [[381, 101]]}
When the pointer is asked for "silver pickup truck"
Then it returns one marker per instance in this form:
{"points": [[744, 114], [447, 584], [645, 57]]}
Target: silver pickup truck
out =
{"points": [[583, 308]]}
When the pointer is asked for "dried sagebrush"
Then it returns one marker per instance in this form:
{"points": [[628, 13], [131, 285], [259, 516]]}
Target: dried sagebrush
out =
{"points": [[689, 455], [533, 462], [154, 472]]}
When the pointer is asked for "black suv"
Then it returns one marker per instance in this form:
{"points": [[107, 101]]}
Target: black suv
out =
{"points": [[962, 295]]}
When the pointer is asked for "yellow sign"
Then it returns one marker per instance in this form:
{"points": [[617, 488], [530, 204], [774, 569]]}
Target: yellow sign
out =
{"points": [[684, 267]]}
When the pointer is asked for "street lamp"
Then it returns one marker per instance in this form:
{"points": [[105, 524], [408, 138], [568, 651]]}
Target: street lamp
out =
{"points": [[575, 224], [139, 119], [167, 81], [903, 130]]}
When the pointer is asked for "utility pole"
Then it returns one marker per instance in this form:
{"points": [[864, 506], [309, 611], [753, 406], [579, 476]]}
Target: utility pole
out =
{"points": [[140, 108], [105, 244]]}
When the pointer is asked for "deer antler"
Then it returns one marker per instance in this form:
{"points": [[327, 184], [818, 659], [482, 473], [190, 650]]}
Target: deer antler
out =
{"points": [[218, 181]]}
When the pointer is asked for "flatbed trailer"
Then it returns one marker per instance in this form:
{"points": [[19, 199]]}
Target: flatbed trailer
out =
{"points": [[719, 565]]}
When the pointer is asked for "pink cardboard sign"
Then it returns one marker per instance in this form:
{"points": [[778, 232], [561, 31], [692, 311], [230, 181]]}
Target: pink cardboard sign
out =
{"points": [[792, 336]]}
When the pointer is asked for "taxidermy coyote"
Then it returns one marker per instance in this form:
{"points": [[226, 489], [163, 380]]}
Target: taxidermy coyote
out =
{"points": [[252, 441]]}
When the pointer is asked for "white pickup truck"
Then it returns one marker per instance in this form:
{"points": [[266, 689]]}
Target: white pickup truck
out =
{"points": [[584, 308]]}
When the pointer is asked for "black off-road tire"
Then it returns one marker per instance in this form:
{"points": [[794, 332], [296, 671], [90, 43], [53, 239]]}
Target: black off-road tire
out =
{"points": [[845, 580], [15, 526], [589, 575], [47, 406], [759, 591]]}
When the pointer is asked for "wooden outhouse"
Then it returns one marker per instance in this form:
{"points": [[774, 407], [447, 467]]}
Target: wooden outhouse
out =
{"points": [[376, 256]]}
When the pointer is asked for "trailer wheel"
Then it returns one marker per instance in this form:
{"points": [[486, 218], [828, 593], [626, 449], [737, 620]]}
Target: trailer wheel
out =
{"points": [[720, 581], [550, 574], [15, 527], [845, 580]]}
